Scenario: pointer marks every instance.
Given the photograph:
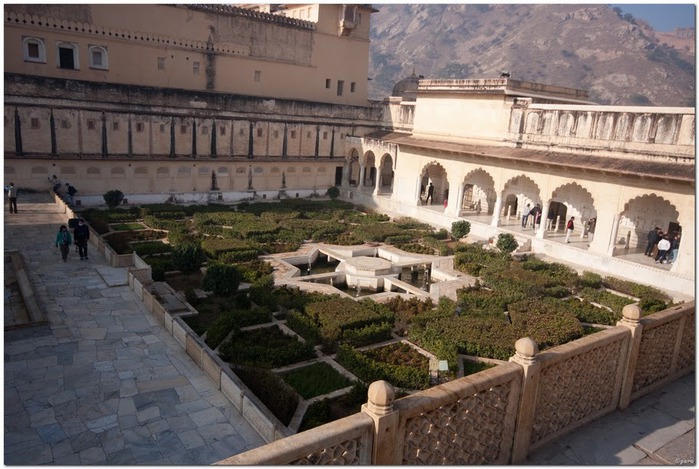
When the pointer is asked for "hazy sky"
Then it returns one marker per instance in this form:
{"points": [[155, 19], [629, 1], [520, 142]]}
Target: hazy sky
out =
{"points": [[663, 18]]}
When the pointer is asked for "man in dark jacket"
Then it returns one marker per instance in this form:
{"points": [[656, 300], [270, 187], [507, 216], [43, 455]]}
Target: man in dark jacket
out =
{"points": [[81, 233], [652, 240]]}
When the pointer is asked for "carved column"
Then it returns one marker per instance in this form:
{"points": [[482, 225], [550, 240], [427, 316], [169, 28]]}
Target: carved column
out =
{"points": [[362, 170], [496, 211], [544, 218], [614, 232], [380, 408], [458, 201], [525, 355], [632, 320]]}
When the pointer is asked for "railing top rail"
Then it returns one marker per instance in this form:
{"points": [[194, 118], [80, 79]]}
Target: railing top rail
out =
{"points": [[667, 315], [582, 345], [301, 445]]}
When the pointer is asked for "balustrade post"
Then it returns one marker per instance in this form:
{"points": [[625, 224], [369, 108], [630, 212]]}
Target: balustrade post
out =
{"points": [[632, 320], [380, 408], [525, 356]]}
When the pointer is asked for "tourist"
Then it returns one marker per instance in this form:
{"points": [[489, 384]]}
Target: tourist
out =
{"points": [[535, 215], [525, 216], [81, 233], [71, 192], [64, 240], [570, 226], [430, 193], [663, 247], [674, 248], [652, 238], [591, 224], [12, 195], [55, 182]]}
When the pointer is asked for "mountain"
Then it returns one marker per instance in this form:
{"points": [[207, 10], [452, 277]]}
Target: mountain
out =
{"points": [[620, 60]]}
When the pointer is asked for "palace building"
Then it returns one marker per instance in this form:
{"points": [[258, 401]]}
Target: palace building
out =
{"points": [[199, 103]]}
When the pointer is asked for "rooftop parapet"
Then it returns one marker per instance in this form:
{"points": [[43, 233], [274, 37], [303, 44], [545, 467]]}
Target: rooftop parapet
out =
{"points": [[505, 87]]}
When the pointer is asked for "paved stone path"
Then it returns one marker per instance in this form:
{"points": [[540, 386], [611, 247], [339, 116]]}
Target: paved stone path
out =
{"points": [[104, 382]]}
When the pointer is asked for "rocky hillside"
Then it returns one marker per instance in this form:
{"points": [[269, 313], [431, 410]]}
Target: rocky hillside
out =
{"points": [[618, 59]]}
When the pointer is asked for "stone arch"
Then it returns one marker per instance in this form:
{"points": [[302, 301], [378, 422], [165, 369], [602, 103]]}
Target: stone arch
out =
{"points": [[643, 213], [386, 174], [566, 123], [519, 192], [571, 200], [434, 173], [478, 193], [354, 168], [369, 169]]}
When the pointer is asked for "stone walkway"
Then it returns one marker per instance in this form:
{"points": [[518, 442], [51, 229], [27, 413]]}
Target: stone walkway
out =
{"points": [[104, 382]]}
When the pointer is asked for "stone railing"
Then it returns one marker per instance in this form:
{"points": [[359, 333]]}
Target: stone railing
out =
{"points": [[631, 132], [500, 415]]}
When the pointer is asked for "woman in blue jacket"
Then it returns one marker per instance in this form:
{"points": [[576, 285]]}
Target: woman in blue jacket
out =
{"points": [[64, 240]]}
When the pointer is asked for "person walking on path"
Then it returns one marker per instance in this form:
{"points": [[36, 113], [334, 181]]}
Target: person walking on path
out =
{"points": [[81, 233], [570, 226], [652, 238], [12, 195], [663, 248], [535, 215], [591, 228], [64, 240]]}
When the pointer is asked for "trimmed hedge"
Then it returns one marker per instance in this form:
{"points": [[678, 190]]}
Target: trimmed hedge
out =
{"points": [[266, 348], [280, 398], [370, 370]]}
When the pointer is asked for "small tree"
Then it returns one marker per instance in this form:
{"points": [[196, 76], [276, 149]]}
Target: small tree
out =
{"points": [[222, 279], [333, 192], [461, 228], [506, 243], [113, 198], [187, 257]]}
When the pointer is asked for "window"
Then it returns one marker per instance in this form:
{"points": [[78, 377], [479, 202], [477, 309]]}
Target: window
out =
{"points": [[222, 131], [68, 56], [65, 124], [242, 132], [139, 127], [259, 132], [328, 83], [325, 135], [98, 57], [293, 134], [162, 128], [161, 63], [276, 134], [115, 125], [90, 124], [195, 68], [353, 86], [183, 129], [34, 50], [35, 122], [340, 87], [308, 134], [204, 130], [258, 75]]}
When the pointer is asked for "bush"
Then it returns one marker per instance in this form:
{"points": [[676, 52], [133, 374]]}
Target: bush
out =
{"points": [[113, 198], [316, 379], [333, 192], [270, 388], [222, 279], [461, 228], [506, 243], [187, 258]]}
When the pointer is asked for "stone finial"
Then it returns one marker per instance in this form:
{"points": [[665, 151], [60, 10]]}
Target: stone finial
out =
{"points": [[631, 312], [526, 349], [381, 396]]}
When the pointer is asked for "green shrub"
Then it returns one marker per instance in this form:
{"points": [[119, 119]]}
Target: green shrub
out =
{"points": [[369, 334], [460, 228], [233, 320], [303, 326], [333, 192], [590, 280], [113, 198], [151, 247], [187, 258], [159, 265], [222, 279], [369, 369], [266, 347], [506, 243], [317, 414]]}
